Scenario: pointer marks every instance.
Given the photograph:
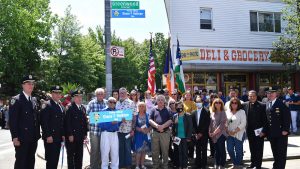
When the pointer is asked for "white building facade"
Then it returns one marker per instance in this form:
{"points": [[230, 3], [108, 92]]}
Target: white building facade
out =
{"points": [[227, 43]]}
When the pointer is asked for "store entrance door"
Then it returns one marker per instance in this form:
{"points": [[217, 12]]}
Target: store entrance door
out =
{"points": [[240, 86]]}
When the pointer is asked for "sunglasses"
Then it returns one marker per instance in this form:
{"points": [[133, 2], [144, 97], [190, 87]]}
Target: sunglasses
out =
{"points": [[113, 102], [233, 102]]}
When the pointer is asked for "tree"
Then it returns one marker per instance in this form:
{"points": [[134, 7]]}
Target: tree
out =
{"points": [[287, 48], [76, 59], [25, 31]]}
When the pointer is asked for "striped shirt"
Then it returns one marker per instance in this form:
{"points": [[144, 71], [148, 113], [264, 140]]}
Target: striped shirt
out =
{"points": [[96, 106]]}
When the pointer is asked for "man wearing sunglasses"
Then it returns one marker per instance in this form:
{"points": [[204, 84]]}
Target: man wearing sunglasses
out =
{"points": [[109, 138]]}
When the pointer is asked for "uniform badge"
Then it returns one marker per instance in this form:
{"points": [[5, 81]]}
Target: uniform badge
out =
{"points": [[79, 91], [12, 101], [30, 76], [57, 87], [44, 106]]}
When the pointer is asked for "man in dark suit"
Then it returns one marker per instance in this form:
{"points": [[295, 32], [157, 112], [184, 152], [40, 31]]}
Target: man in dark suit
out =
{"points": [[256, 120], [24, 125], [279, 120], [52, 123], [201, 120], [76, 130]]}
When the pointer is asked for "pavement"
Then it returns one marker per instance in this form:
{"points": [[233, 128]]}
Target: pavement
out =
{"points": [[7, 154]]}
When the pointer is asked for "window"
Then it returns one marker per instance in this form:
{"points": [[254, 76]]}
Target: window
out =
{"points": [[265, 22], [205, 18]]}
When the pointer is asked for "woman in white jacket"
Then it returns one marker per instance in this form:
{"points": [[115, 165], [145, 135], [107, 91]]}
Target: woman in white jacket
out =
{"points": [[236, 119]]}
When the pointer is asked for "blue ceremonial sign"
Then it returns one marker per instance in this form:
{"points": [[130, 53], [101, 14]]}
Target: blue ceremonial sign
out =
{"points": [[128, 13], [109, 116]]}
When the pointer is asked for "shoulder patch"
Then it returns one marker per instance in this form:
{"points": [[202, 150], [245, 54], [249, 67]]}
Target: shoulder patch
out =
{"points": [[12, 101], [44, 106]]}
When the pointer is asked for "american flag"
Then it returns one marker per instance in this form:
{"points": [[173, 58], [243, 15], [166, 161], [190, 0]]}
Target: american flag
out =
{"points": [[151, 71]]}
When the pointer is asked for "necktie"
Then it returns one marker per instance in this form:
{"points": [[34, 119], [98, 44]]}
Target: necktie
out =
{"points": [[270, 105], [29, 99]]}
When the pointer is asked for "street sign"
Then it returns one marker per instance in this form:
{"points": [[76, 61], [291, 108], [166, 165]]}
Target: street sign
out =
{"points": [[117, 52], [125, 5], [128, 13]]}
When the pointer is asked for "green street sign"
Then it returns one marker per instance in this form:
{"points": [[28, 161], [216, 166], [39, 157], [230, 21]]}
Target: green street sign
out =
{"points": [[125, 5]]}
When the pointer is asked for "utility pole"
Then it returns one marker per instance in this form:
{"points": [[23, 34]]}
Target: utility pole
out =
{"points": [[107, 29]]}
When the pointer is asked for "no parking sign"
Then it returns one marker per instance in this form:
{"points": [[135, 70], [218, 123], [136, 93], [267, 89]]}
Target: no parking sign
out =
{"points": [[117, 52]]}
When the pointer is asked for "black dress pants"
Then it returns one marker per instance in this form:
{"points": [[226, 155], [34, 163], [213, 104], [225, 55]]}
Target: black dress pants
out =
{"points": [[75, 154], [279, 149], [256, 145], [25, 155], [52, 151], [201, 152]]}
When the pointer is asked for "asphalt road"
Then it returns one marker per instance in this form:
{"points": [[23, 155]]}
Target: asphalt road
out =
{"points": [[7, 155]]}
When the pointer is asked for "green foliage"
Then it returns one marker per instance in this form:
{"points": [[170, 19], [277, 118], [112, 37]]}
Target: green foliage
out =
{"points": [[53, 49], [75, 59], [132, 70], [287, 48], [68, 87], [25, 30]]}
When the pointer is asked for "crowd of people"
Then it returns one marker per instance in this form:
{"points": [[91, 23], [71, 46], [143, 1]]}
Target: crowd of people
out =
{"points": [[171, 127]]}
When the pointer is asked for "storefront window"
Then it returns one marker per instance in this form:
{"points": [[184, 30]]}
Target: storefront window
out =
{"points": [[235, 78], [199, 78], [200, 81], [274, 79]]}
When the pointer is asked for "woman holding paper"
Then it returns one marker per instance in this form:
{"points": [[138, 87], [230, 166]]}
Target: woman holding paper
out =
{"points": [[236, 118], [182, 132], [141, 136]]}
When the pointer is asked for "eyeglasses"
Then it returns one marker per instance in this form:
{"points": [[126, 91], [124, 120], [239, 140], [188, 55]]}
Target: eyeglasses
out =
{"points": [[112, 102], [217, 102], [233, 102]]}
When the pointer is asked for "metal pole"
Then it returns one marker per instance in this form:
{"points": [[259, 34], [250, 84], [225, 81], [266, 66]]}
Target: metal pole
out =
{"points": [[107, 29]]}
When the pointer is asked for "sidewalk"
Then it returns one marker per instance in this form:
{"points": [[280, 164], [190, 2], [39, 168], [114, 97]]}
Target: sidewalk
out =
{"points": [[293, 152]]}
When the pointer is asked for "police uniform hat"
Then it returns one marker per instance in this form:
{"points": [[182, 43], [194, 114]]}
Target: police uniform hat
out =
{"points": [[77, 92], [159, 91], [272, 89], [290, 88], [56, 89], [27, 78]]}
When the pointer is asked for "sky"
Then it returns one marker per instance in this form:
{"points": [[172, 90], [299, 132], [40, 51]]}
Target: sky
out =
{"points": [[90, 13]]}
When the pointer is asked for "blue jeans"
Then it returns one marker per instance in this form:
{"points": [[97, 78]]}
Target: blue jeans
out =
{"points": [[220, 155], [235, 150], [124, 150]]}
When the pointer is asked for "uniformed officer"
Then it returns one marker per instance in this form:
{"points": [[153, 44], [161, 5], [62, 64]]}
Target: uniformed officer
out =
{"points": [[279, 120], [76, 130], [24, 125], [52, 123]]}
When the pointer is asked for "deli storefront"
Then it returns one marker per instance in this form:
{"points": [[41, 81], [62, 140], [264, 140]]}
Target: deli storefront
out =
{"points": [[220, 69]]}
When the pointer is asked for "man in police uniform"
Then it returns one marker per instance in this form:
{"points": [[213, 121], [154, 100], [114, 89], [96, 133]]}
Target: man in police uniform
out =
{"points": [[24, 125], [279, 120], [52, 123], [76, 130]]}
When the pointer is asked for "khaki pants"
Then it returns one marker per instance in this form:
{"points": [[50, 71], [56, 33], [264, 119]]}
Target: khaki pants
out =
{"points": [[160, 141], [95, 156]]}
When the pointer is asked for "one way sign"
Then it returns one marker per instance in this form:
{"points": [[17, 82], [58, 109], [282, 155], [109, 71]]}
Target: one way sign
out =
{"points": [[117, 52]]}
